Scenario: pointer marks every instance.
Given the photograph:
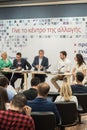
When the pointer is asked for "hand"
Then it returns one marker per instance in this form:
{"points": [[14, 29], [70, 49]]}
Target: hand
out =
{"points": [[41, 67], [19, 68], [7, 68], [27, 110], [37, 66]]}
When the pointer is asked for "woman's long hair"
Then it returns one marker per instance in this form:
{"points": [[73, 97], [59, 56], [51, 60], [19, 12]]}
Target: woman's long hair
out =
{"points": [[3, 98], [66, 91], [80, 59]]}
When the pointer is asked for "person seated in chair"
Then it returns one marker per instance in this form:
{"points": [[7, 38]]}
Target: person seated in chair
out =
{"points": [[13, 118], [40, 63], [66, 93], [41, 104], [79, 87], [5, 64], [18, 64], [31, 93]]}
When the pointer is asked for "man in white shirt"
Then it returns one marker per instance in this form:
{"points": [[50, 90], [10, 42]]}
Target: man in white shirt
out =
{"points": [[64, 65]]}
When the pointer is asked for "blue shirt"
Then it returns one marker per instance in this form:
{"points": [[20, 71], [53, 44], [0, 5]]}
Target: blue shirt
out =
{"points": [[42, 105]]}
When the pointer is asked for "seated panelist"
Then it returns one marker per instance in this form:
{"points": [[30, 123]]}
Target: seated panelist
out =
{"points": [[18, 64], [40, 63], [5, 64]]}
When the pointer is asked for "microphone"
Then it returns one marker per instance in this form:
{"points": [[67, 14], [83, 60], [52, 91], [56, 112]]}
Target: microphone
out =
{"points": [[60, 69], [46, 67]]}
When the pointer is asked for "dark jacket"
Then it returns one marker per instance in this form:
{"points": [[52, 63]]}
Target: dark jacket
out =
{"points": [[43, 105], [24, 64], [44, 62], [77, 88], [30, 93]]}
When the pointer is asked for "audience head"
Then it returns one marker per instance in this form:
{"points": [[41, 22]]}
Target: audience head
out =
{"points": [[3, 98], [79, 59], [79, 77], [19, 101], [43, 89], [4, 82], [4, 55], [35, 81], [63, 55], [66, 91], [41, 53], [18, 56]]}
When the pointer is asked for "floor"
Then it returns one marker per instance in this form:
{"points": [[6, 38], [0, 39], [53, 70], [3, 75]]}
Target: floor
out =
{"points": [[82, 126]]}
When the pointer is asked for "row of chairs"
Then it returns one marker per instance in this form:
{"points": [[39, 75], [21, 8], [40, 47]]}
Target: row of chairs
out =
{"points": [[69, 114], [82, 103], [47, 120]]}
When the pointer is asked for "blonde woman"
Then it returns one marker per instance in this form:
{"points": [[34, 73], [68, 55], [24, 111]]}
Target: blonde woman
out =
{"points": [[5, 64], [66, 94]]}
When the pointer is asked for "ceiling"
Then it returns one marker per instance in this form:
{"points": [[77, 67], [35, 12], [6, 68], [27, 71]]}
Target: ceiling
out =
{"points": [[37, 2]]}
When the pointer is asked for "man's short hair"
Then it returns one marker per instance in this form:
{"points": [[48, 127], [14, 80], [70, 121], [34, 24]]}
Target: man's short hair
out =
{"points": [[79, 76], [4, 82], [43, 89], [35, 81], [19, 100], [41, 50], [18, 53], [64, 53]]}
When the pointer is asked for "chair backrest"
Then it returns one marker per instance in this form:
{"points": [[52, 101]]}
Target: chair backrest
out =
{"points": [[52, 96], [44, 120], [68, 112], [82, 101]]}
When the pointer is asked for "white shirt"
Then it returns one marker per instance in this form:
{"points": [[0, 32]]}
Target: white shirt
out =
{"points": [[73, 98], [40, 60], [81, 69], [11, 92], [64, 65]]}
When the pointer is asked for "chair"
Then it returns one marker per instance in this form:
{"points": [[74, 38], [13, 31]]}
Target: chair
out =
{"points": [[44, 120], [68, 114], [52, 96], [82, 109]]}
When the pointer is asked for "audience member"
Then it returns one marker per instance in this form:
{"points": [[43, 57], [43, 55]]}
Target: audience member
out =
{"points": [[64, 65], [31, 93], [40, 63], [40, 103], [13, 119], [79, 67], [5, 64], [3, 99], [79, 87], [19, 63], [66, 93], [4, 82]]}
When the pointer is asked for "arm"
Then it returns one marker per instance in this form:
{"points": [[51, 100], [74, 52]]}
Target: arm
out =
{"points": [[14, 64], [35, 63], [46, 63], [10, 63], [73, 73], [28, 65], [56, 113]]}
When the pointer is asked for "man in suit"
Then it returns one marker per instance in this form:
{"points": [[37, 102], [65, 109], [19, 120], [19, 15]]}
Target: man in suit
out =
{"points": [[40, 63], [79, 87], [19, 63], [41, 104]]}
